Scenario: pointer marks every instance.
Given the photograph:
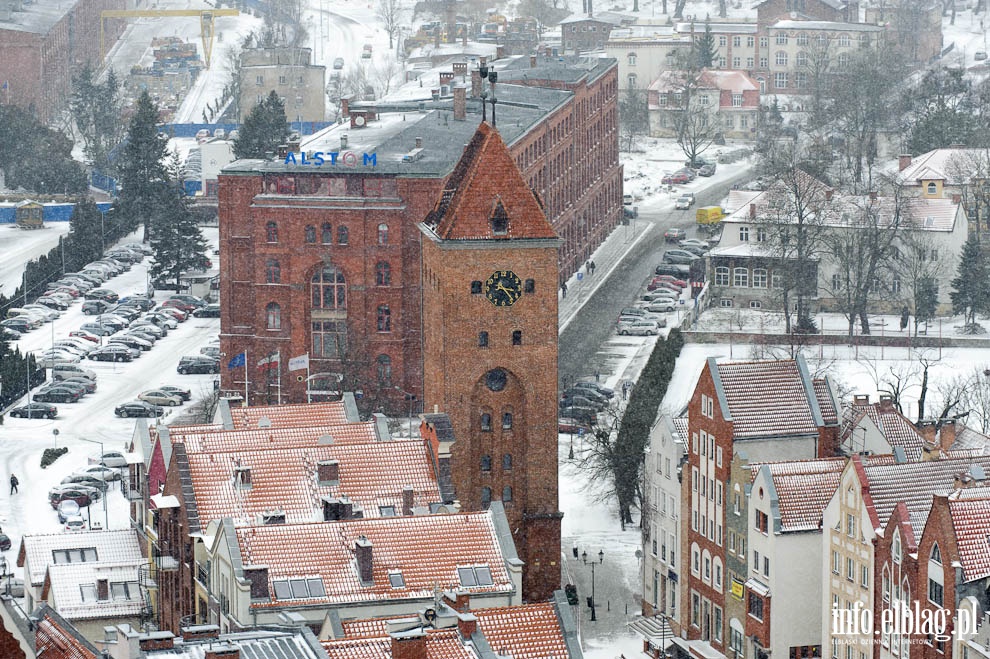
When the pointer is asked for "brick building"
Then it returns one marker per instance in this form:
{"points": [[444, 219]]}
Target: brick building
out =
{"points": [[326, 260], [290, 73], [490, 347], [43, 43], [581, 33]]}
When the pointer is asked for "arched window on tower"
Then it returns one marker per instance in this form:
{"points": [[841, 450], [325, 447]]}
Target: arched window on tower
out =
{"points": [[383, 234], [486, 422], [383, 274], [310, 234], [342, 235], [486, 497], [384, 315], [506, 494], [384, 364]]}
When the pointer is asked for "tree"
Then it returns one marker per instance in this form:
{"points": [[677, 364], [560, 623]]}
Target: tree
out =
{"points": [[705, 49], [545, 12], [35, 157], [96, 110], [264, 129], [689, 107], [970, 289], [942, 111], [389, 14], [925, 301], [177, 240], [142, 169], [634, 115], [818, 69], [795, 223]]}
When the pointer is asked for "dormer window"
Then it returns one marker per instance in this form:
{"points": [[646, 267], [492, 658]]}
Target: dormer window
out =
{"points": [[932, 188], [499, 220]]}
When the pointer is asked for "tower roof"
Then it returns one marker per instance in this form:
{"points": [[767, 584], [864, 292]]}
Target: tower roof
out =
{"points": [[486, 196]]}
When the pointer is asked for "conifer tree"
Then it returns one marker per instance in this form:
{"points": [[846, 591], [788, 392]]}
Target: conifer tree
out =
{"points": [[142, 168], [177, 240], [264, 129], [971, 287]]}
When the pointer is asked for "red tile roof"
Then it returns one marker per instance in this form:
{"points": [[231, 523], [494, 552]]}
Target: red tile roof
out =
{"points": [[288, 416], [825, 402], [214, 440], [970, 512], [767, 399], [896, 428], [371, 474], [803, 490], [531, 631], [440, 644], [326, 550], [57, 639]]}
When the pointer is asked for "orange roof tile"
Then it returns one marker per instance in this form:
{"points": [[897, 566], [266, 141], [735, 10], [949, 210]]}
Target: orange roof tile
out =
{"points": [[261, 438], [325, 550], [531, 631], [371, 474], [767, 398], [56, 638], [970, 511], [288, 416], [440, 644]]}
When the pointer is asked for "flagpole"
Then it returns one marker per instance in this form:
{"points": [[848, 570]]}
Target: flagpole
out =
{"points": [[309, 398], [278, 371], [245, 377]]}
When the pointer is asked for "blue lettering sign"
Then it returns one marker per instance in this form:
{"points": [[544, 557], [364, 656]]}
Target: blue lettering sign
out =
{"points": [[320, 158], [371, 159], [290, 158]]}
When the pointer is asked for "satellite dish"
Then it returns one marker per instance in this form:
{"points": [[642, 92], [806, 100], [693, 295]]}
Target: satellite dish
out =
{"points": [[359, 120]]}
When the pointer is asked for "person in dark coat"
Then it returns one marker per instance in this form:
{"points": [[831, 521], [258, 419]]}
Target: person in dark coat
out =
{"points": [[13, 483]]}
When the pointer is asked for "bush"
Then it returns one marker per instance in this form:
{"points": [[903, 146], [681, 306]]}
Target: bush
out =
{"points": [[51, 455]]}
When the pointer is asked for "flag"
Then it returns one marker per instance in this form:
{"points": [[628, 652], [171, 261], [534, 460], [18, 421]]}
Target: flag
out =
{"points": [[271, 361], [238, 360], [4, 87], [299, 363]]}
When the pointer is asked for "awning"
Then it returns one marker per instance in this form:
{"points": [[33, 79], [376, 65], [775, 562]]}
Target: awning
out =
{"points": [[698, 649], [654, 629], [161, 501], [758, 588]]}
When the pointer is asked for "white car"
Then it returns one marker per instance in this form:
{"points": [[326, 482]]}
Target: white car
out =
{"points": [[684, 202], [109, 459], [75, 523], [41, 310], [101, 472]]}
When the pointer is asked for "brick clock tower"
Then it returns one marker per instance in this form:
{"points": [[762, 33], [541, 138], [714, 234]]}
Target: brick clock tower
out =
{"points": [[490, 348]]}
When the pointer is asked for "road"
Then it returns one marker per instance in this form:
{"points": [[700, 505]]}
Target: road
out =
{"points": [[20, 246]]}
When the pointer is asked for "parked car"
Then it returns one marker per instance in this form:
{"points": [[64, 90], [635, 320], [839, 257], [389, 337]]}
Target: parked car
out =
{"points": [[56, 395], [590, 394], [209, 311], [89, 386], [104, 294], [661, 306], [687, 171], [85, 479], [98, 329], [184, 394], [677, 178], [210, 351], [147, 328], [659, 285], [581, 401], [132, 341], [639, 327], [53, 303], [678, 256], [21, 325], [101, 472], [631, 311], [673, 235], [181, 305], [697, 163], [694, 249], [173, 312], [133, 352], [198, 364], [707, 169], [112, 353], [627, 200], [980, 55], [109, 459], [4, 541], [159, 397], [66, 371], [75, 523], [585, 415], [695, 242], [83, 334], [138, 408], [67, 508], [572, 426], [35, 411], [81, 494], [141, 301], [197, 302], [674, 270], [65, 384], [594, 386]]}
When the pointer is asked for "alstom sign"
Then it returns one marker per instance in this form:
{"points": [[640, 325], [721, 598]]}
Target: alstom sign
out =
{"points": [[332, 158]]}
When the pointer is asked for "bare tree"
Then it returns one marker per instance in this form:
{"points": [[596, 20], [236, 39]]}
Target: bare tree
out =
{"points": [[817, 67], [926, 359], [794, 223], [634, 115], [689, 103], [976, 398], [970, 171], [389, 14], [914, 273]]}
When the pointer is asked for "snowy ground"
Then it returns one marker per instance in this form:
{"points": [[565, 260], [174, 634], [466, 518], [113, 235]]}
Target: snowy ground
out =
{"points": [[20, 246]]}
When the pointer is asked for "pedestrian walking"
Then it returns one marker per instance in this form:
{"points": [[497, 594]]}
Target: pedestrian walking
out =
{"points": [[563, 289], [597, 376], [593, 266], [13, 483], [587, 267]]}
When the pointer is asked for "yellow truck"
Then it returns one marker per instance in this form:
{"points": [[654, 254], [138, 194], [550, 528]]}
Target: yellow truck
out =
{"points": [[709, 215]]}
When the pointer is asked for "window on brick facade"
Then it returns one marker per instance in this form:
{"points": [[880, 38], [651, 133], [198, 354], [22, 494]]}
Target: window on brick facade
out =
{"points": [[486, 422], [273, 272], [517, 337], [476, 287], [328, 289], [310, 234], [721, 276], [273, 316], [342, 235], [383, 274], [755, 606], [482, 339], [384, 368], [507, 494], [384, 318], [740, 277], [507, 462], [529, 286], [383, 234], [271, 232], [326, 234], [486, 498], [486, 463]]}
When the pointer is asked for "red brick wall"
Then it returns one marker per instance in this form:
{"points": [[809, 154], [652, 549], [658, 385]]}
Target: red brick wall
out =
{"points": [[938, 529]]}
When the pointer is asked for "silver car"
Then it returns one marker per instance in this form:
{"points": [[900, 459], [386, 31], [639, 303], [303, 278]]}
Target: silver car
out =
{"points": [[638, 327]]}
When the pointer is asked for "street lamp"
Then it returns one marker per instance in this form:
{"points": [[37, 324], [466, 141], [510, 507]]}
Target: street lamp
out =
{"points": [[601, 560], [492, 77], [106, 514]]}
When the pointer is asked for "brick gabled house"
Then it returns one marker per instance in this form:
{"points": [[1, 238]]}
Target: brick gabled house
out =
{"points": [[768, 410]]}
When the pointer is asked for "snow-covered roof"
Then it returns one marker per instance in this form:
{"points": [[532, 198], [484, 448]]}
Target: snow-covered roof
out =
{"points": [[39, 551], [601, 17], [38, 17], [954, 166], [825, 26], [74, 594]]}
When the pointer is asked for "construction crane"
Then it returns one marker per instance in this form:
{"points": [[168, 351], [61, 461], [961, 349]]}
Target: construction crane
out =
{"points": [[206, 17]]}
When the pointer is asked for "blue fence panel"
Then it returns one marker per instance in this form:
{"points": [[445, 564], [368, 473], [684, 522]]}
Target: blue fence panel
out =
{"points": [[58, 212], [103, 182], [190, 130], [7, 215]]}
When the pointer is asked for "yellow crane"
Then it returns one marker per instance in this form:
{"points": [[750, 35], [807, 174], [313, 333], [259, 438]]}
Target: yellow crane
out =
{"points": [[206, 17]]}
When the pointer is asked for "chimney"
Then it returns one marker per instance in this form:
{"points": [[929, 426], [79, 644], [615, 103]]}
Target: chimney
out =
{"points": [[475, 83], [362, 552], [407, 500], [102, 590], [861, 399], [828, 194], [409, 645], [532, 61], [956, 198], [419, 142], [200, 632], [223, 651], [156, 641], [886, 403], [459, 600], [947, 434], [752, 211], [873, 195], [927, 430], [343, 141], [293, 144], [335, 510], [242, 477], [345, 106], [460, 103], [903, 161], [328, 472], [446, 77], [467, 623], [258, 576]]}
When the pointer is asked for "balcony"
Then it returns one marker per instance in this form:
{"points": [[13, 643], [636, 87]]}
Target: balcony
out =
{"points": [[203, 575]]}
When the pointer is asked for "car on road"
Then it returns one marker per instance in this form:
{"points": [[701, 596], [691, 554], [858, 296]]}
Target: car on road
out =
{"points": [[100, 472], [67, 508], [198, 364], [138, 408], [677, 178], [674, 235], [572, 426], [639, 327], [678, 257], [338, 63], [159, 397], [594, 386], [627, 200], [112, 353], [707, 169], [81, 494], [184, 394], [109, 459], [683, 203], [209, 311], [56, 395], [75, 523], [35, 411]]}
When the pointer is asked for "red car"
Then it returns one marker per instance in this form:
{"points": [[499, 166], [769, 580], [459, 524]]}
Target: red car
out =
{"points": [[677, 178], [83, 334], [572, 426], [184, 307], [670, 279], [659, 283]]}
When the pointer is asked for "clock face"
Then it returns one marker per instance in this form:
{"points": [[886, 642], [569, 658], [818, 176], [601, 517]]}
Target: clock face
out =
{"points": [[496, 379], [503, 288]]}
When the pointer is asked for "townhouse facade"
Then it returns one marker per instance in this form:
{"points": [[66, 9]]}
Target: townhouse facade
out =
{"points": [[728, 101], [290, 73], [581, 33]]}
